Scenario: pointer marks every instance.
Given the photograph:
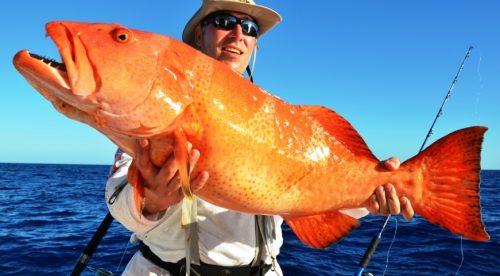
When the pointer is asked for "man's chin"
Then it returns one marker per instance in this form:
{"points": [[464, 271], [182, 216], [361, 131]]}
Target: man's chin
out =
{"points": [[237, 66]]}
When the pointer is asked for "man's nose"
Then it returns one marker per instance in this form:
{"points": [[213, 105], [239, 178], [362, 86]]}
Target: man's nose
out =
{"points": [[237, 31]]}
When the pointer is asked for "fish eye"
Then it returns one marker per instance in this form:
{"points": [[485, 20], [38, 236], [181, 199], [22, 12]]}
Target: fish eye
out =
{"points": [[122, 35]]}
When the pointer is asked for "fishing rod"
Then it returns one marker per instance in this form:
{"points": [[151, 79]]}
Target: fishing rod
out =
{"points": [[92, 245], [98, 235], [363, 264]]}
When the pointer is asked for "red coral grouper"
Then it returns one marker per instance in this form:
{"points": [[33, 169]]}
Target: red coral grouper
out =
{"points": [[264, 156]]}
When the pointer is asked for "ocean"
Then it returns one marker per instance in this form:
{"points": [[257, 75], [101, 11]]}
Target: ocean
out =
{"points": [[50, 212]]}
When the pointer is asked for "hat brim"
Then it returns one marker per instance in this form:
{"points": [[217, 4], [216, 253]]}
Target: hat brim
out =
{"points": [[265, 17]]}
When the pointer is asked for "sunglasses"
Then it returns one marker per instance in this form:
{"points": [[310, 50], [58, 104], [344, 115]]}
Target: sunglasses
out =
{"points": [[228, 22]]}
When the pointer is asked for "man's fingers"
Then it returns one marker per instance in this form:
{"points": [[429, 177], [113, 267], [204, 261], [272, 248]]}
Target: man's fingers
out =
{"points": [[407, 208], [392, 163], [392, 199], [382, 200], [198, 183], [168, 170], [385, 201], [388, 200], [373, 206], [194, 156], [169, 173], [142, 161], [173, 183], [142, 153]]}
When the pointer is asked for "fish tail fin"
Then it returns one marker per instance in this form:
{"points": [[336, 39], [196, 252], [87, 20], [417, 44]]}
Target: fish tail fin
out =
{"points": [[320, 231], [450, 183], [135, 179]]}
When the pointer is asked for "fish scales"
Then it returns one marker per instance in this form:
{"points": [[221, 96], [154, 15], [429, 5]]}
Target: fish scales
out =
{"points": [[264, 155]]}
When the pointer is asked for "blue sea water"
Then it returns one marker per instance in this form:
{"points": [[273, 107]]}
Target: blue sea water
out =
{"points": [[50, 212]]}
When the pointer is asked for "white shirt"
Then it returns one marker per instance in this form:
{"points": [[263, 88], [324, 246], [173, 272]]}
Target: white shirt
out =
{"points": [[226, 237]]}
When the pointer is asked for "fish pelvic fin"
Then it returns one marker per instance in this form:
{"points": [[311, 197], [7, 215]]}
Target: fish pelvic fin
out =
{"points": [[320, 231], [339, 128], [135, 179], [451, 177]]}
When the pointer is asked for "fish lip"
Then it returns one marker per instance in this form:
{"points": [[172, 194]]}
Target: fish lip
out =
{"points": [[61, 36], [74, 56], [60, 79], [51, 69], [42, 70]]}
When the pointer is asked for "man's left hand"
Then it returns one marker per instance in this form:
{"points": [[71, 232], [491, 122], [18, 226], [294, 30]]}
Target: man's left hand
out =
{"points": [[385, 200]]}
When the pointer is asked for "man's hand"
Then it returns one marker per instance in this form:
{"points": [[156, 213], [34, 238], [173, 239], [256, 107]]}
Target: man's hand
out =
{"points": [[162, 185], [385, 200]]}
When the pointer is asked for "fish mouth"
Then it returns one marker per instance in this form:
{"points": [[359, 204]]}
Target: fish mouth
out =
{"points": [[48, 76], [69, 80]]}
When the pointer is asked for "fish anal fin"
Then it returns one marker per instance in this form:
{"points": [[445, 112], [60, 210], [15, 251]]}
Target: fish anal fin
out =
{"points": [[339, 128], [320, 231]]}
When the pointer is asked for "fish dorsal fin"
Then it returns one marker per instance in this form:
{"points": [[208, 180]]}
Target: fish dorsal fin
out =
{"points": [[320, 231], [339, 128]]}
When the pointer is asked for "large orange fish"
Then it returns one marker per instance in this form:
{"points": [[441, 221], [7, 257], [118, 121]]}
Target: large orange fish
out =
{"points": [[264, 156]]}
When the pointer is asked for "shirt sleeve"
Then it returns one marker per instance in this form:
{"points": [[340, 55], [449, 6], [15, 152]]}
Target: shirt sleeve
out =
{"points": [[355, 213], [122, 205]]}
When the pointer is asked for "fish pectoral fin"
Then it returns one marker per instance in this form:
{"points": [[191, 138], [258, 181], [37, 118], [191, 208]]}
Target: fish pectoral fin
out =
{"points": [[181, 153], [182, 159], [320, 231]]}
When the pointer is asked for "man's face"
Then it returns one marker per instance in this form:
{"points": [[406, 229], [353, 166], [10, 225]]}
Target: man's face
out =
{"points": [[230, 46]]}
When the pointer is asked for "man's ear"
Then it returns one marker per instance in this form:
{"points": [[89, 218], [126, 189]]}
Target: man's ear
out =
{"points": [[197, 36]]}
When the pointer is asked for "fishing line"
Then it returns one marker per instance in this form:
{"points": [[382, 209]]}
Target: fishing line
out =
{"points": [[363, 264], [100, 271], [390, 246], [481, 86], [249, 69], [476, 110], [461, 251], [123, 256]]}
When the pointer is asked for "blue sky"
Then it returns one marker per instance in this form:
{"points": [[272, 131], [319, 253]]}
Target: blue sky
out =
{"points": [[385, 65]]}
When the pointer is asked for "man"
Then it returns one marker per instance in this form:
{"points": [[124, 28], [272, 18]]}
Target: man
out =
{"points": [[228, 242]]}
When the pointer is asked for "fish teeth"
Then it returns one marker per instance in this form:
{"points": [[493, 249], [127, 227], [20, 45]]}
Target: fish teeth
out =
{"points": [[49, 61]]}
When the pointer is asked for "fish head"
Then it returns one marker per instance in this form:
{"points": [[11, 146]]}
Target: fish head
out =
{"points": [[128, 81]]}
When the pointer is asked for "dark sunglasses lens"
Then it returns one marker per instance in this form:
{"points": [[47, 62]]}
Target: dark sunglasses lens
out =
{"points": [[225, 22], [228, 22], [249, 27]]}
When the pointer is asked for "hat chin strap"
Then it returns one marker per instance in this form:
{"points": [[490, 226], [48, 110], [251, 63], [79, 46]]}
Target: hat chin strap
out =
{"points": [[250, 70]]}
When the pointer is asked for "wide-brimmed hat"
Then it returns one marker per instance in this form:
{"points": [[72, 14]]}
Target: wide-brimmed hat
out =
{"points": [[265, 17]]}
